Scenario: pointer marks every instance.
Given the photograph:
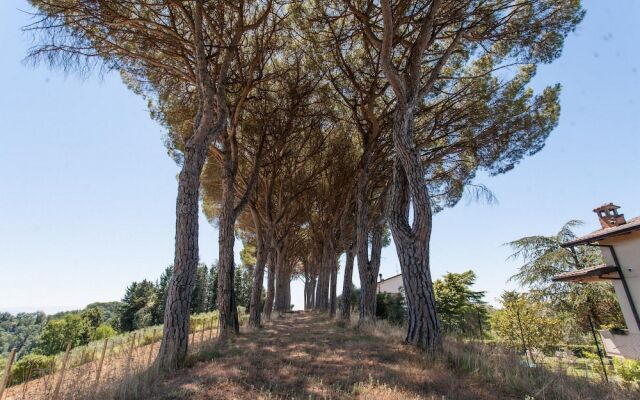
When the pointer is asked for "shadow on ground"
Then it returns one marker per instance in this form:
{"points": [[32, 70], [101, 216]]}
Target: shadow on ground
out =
{"points": [[304, 355]]}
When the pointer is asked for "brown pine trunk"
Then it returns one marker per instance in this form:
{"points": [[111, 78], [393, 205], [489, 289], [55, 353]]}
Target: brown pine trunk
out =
{"points": [[282, 282], [227, 312], [307, 286], [332, 294], [368, 265], [324, 278], [173, 349], [412, 240], [345, 304], [271, 285], [311, 292], [255, 309]]}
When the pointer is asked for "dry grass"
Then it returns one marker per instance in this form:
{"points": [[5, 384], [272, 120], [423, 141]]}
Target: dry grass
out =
{"points": [[503, 368], [124, 374], [304, 355], [308, 356]]}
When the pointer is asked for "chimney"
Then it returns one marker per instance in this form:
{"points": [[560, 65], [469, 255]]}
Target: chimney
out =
{"points": [[609, 217]]}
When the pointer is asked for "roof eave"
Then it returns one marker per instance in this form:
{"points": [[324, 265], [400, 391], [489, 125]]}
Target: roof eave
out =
{"points": [[588, 240]]}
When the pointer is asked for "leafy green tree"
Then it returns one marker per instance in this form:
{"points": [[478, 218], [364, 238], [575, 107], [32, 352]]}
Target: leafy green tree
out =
{"points": [[162, 287], [93, 316], [20, 331], [199, 297], [391, 306], [212, 288], [138, 306], [461, 310], [525, 323], [544, 257], [103, 331], [242, 284], [110, 311], [57, 332]]}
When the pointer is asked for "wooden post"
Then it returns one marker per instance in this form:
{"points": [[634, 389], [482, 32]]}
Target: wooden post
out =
{"points": [[524, 343], [595, 339], [65, 360], [153, 341], [26, 382], [129, 358], [204, 328], [99, 371], [7, 372]]}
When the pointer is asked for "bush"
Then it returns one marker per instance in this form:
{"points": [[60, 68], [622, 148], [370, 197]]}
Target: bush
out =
{"points": [[390, 306], [581, 350], [102, 332], [57, 332], [628, 370], [31, 366]]}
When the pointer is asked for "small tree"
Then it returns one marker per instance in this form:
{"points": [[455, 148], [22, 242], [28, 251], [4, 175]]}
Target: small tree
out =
{"points": [[138, 305], [199, 297], [461, 310], [526, 324], [544, 257], [57, 332]]}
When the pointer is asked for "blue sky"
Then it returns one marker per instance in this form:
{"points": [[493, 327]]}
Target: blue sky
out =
{"points": [[88, 191]]}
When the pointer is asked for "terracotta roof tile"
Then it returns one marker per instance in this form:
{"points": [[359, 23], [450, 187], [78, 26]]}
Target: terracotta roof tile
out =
{"points": [[590, 272], [630, 226]]}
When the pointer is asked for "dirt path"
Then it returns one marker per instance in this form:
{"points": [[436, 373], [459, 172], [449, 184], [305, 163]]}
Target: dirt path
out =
{"points": [[304, 356]]}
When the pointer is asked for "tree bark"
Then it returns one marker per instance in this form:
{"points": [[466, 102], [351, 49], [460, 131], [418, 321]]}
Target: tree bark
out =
{"points": [[282, 282], [271, 285], [227, 312], [345, 304], [412, 240], [334, 283], [310, 290], [368, 265], [324, 278], [255, 309], [173, 349]]}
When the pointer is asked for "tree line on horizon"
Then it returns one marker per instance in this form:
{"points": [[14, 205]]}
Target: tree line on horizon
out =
{"points": [[141, 306], [547, 317], [316, 128]]}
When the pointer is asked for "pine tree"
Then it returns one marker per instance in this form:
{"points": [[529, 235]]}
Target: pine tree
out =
{"points": [[212, 288], [200, 296]]}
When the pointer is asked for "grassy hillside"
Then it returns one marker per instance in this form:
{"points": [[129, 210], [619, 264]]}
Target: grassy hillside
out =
{"points": [[304, 355]]}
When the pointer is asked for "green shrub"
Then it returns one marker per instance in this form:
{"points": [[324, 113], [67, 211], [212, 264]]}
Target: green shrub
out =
{"points": [[628, 370], [581, 350], [31, 366], [103, 331], [390, 306]]}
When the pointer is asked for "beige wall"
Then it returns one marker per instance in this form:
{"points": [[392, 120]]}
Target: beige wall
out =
{"points": [[627, 248], [392, 285]]}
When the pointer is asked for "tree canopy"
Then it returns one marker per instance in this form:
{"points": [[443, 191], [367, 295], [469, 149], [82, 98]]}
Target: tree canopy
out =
{"points": [[314, 129]]}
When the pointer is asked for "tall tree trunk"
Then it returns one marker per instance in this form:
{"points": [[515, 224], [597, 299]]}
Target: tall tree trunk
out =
{"points": [[324, 278], [345, 304], [255, 309], [311, 300], [307, 286], [175, 336], [334, 284], [412, 240], [271, 285], [282, 282], [368, 265], [227, 311]]}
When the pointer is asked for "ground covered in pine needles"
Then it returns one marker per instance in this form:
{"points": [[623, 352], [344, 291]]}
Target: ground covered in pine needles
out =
{"points": [[304, 355]]}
